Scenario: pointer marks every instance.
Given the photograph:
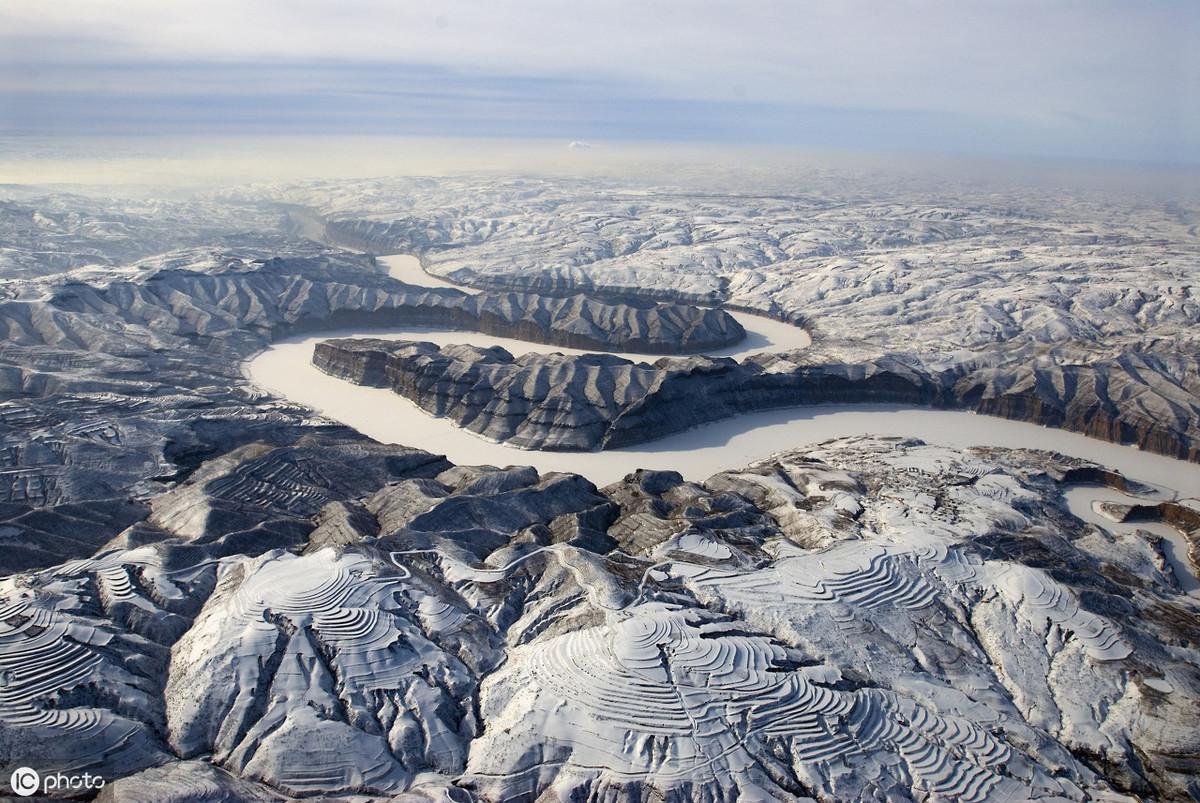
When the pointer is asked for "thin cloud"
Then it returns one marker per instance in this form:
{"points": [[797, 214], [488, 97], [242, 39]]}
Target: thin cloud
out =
{"points": [[1101, 78]]}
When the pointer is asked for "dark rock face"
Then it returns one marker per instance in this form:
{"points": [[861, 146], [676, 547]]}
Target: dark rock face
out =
{"points": [[582, 403], [541, 401], [1106, 400], [586, 323], [288, 485]]}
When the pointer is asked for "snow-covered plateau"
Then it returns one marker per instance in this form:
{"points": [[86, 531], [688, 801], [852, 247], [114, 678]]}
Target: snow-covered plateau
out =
{"points": [[248, 555]]}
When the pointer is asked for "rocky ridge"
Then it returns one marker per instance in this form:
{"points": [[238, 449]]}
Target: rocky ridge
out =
{"points": [[582, 403], [280, 296], [113, 386], [551, 401]]}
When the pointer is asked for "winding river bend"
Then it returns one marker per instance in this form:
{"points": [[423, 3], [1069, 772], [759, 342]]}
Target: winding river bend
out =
{"points": [[286, 369]]}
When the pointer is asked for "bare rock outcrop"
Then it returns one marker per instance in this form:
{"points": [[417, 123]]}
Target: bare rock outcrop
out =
{"points": [[540, 401]]}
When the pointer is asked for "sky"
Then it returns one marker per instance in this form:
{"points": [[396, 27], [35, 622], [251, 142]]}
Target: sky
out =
{"points": [[1054, 78]]}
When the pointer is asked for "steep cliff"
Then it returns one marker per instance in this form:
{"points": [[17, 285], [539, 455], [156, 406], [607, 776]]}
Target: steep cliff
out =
{"points": [[539, 401]]}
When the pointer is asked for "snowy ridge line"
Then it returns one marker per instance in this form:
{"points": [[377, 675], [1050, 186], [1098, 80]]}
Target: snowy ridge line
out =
{"points": [[705, 705], [62, 688], [324, 632], [700, 656]]}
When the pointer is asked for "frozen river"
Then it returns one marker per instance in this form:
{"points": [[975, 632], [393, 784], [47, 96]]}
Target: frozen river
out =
{"points": [[762, 334], [286, 369], [1084, 501]]}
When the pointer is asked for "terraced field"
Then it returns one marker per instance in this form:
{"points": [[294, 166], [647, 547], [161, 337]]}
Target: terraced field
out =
{"points": [[225, 587]]}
